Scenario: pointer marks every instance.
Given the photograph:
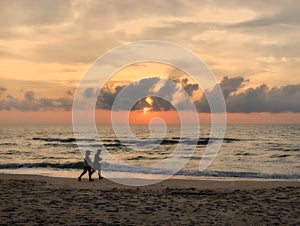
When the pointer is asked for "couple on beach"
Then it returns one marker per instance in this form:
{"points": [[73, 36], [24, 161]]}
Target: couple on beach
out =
{"points": [[88, 168]]}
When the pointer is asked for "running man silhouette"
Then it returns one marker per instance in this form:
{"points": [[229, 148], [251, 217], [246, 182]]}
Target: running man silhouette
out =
{"points": [[86, 166], [97, 163]]}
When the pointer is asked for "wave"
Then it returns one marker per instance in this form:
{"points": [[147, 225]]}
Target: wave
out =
{"points": [[279, 156], [167, 141], [144, 158], [49, 139], [245, 154], [148, 170], [11, 152], [75, 165], [291, 149], [253, 175], [8, 144], [69, 145], [115, 142], [63, 140]]}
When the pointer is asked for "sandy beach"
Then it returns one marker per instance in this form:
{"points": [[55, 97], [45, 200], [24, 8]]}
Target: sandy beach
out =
{"points": [[39, 200]]}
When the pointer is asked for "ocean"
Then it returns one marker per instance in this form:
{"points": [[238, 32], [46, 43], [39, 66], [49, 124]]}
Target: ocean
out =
{"points": [[248, 152]]}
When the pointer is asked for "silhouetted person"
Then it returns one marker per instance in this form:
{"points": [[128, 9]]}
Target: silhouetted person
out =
{"points": [[86, 166], [97, 163]]}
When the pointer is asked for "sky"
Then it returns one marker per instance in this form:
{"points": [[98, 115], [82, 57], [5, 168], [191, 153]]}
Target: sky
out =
{"points": [[252, 48]]}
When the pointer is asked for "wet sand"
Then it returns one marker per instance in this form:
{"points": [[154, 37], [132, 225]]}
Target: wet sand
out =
{"points": [[38, 200]]}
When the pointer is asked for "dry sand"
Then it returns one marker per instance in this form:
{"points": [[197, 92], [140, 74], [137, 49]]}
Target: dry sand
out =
{"points": [[37, 200]]}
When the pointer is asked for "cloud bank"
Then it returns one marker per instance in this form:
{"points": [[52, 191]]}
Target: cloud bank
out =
{"points": [[239, 100], [31, 103]]}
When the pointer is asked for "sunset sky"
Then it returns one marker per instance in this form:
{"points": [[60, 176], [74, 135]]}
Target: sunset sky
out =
{"points": [[252, 47]]}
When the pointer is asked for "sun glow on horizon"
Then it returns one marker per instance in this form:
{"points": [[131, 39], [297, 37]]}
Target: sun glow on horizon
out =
{"points": [[145, 110], [149, 101]]}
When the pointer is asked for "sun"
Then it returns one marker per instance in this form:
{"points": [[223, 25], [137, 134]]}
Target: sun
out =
{"points": [[149, 100], [145, 110]]}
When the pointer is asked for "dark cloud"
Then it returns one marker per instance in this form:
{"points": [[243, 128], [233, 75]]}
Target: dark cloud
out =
{"points": [[31, 103], [163, 97], [64, 103], [159, 104], [26, 104], [227, 86], [230, 85], [2, 90], [54, 104], [107, 97], [46, 103], [259, 99], [167, 90], [89, 93], [190, 88], [142, 88], [29, 96], [264, 99]]}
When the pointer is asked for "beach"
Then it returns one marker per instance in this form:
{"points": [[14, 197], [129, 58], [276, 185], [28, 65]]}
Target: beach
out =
{"points": [[40, 200]]}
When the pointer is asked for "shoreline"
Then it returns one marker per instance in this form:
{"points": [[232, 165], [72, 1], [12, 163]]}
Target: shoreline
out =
{"points": [[181, 182], [107, 174], [33, 199]]}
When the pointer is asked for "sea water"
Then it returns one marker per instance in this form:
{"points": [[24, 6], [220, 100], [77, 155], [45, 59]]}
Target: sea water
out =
{"points": [[247, 151]]}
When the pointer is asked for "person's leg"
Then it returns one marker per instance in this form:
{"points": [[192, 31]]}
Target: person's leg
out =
{"points": [[90, 174], [92, 171], [84, 172], [99, 174]]}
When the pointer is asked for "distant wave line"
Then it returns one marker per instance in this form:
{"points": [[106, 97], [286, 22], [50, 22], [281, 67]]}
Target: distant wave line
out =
{"points": [[115, 142]]}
